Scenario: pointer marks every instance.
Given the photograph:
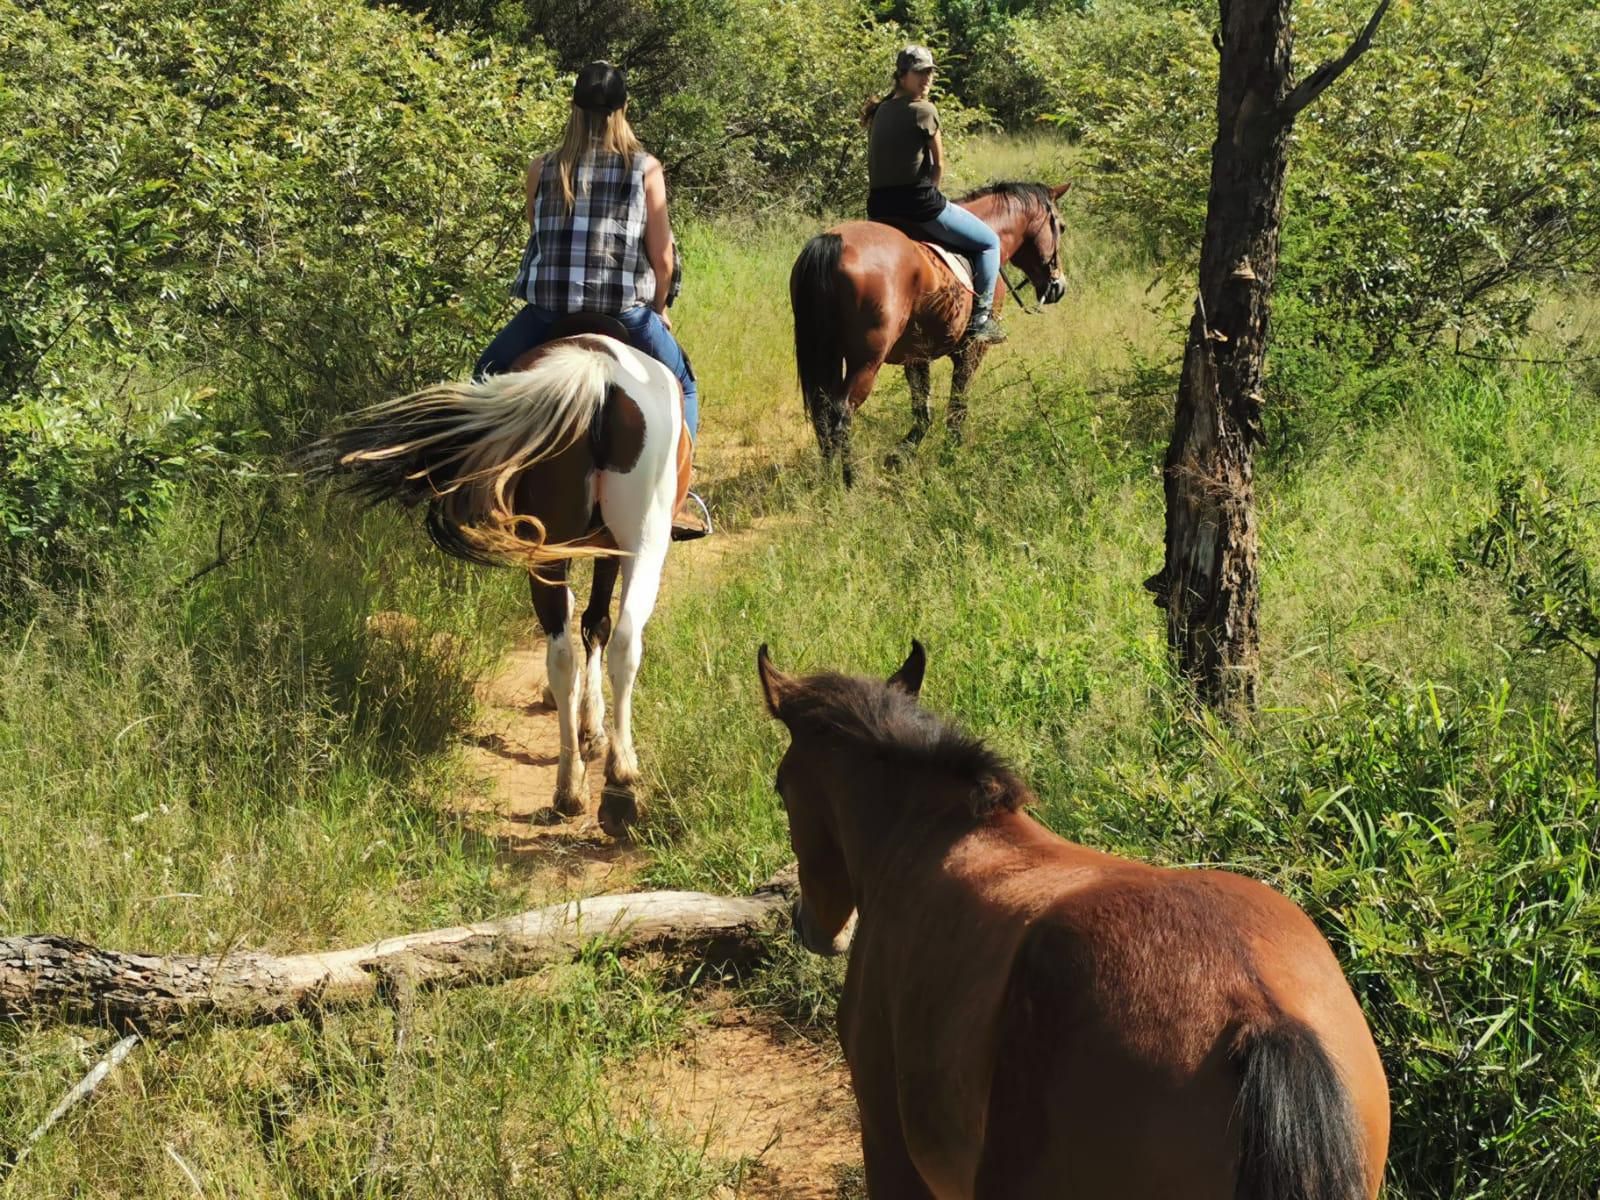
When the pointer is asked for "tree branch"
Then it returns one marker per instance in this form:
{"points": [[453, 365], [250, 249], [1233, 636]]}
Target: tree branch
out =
{"points": [[44, 977], [81, 1090], [1319, 80]]}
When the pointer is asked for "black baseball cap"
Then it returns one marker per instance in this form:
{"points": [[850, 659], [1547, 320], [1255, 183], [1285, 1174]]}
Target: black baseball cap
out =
{"points": [[600, 88]]}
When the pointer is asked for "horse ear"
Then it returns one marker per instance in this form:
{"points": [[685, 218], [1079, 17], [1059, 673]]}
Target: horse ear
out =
{"points": [[909, 677], [1060, 190], [774, 683]]}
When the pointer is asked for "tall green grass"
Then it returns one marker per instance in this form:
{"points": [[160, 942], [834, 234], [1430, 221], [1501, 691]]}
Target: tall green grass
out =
{"points": [[239, 762]]}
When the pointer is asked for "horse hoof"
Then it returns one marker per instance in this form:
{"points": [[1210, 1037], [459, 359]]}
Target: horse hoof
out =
{"points": [[546, 816], [568, 803], [894, 460], [619, 812]]}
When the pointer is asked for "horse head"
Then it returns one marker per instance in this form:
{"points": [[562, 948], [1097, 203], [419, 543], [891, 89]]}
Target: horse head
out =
{"points": [[807, 782], [1039, 256]]}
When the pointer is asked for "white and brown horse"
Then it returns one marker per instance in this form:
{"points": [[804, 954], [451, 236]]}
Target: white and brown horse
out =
{"points": [[1028, 1018], [579, 451]]}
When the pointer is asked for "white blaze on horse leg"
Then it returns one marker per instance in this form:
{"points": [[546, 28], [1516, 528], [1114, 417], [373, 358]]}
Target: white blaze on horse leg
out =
{"points": [[592, 723], [637, 508], [561, 667], [641, 582]]}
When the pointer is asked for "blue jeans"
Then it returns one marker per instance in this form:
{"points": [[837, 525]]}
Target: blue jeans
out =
{"points": [[959, 229], [646, 331]]}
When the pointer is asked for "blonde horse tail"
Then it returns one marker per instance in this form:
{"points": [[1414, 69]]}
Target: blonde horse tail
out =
{"points": [[460, 448]]}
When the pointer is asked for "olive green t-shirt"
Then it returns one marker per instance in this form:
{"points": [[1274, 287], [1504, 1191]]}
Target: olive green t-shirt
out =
{"points": [[898, 151]]}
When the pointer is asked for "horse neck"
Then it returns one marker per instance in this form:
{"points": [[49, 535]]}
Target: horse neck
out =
{"points": [[884, 814], [1010, 221]]}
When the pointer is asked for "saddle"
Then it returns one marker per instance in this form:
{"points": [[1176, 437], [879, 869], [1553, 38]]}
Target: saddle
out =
{"points": [[589, 322], [960, 265]]}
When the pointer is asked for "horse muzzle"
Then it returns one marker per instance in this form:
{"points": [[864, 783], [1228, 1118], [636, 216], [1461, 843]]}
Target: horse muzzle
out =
{"points": [[812, 938], [1054, 290]]}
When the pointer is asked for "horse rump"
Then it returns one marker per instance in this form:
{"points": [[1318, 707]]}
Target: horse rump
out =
{"points": [[1299, 1139], [459, 447], [818, 345]]}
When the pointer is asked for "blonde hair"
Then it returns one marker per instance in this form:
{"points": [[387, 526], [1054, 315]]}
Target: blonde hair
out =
{"points": [[594, 131]]}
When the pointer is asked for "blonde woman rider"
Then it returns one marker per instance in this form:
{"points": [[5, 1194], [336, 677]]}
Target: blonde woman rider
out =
{"points": [[599, 238], [905, 165]]}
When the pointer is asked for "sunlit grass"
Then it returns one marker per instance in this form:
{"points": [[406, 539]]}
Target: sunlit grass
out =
{"points": [[238, 763]]}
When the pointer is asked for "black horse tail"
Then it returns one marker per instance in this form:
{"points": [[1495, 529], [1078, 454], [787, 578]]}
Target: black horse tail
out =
{"points": [[818, 344], [1300, 1139]]}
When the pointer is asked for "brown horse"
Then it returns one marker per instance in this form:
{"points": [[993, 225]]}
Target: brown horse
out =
{"points": [[1025, 1017], [865, 293]]}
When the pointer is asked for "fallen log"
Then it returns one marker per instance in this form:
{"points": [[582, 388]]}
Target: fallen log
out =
{"points": [[49, 977]]}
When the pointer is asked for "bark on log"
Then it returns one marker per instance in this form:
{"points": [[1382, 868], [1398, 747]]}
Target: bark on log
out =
{"points": [[44, 976]]}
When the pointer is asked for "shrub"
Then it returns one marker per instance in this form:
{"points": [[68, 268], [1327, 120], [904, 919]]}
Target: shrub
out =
{"points": [[312, 204], [1431, 193]]}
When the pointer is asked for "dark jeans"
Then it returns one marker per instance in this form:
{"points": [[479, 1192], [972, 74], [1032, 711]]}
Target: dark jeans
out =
{"points": [[649, 335]]}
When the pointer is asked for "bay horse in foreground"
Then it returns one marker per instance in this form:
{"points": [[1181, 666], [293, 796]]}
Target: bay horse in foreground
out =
{"points": [[865, 293], [1025, 1017], [578, 451]]}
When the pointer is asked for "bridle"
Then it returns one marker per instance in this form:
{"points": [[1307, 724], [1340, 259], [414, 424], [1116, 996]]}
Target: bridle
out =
{"points": [[1052, 266]]}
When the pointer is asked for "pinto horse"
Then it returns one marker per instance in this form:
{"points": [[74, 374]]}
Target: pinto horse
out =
{"points": [[865, 293], [578, 451], [1025, 1017]]}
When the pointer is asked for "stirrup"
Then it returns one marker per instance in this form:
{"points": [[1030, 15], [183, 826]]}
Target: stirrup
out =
{"points": [[690, 533]]}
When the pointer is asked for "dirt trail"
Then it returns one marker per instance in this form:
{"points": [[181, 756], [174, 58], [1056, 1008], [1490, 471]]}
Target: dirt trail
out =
{"points": [[742, 1086], [516, 744], [514, 749], [756, 1094]]}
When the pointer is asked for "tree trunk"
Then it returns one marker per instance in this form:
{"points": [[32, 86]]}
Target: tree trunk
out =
{"points": [[1209, 585], [43, 976]]}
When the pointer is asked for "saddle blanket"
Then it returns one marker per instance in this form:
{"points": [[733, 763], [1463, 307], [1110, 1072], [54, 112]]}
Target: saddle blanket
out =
{"points": [[958, 264]]}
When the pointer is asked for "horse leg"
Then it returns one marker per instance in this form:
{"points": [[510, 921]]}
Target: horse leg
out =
{"points": [[966, 366], [917, 376], [889, 1169], [641, 581], [596, 627], [552, 601], [858, 383], [831, 419]]}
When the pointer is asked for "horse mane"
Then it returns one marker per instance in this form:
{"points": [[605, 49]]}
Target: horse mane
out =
{"points": [[889, 724], [1011, 194]]}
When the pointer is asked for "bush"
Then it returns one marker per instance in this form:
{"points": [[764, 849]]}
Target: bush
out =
{"points": [[77, 475], [1432, 191], [746, 102], [312, 204]]}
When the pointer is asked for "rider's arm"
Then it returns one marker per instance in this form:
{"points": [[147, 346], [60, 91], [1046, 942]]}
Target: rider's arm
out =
{"points": [[936, 158], [531, 186], [658, 233]]}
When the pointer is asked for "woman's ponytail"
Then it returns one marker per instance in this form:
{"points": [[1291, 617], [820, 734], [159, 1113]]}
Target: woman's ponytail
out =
{"points": [[872, 106]]}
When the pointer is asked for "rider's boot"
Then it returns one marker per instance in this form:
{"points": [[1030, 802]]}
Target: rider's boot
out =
{"points": [[984, 328], [692, 520]]}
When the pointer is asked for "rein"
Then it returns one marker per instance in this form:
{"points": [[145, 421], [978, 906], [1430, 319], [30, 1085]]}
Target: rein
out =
{"points": [[1015, 285]]}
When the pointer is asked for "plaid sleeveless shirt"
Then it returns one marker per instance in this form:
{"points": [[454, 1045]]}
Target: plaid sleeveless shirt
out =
{"points": [[591, 259]]}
